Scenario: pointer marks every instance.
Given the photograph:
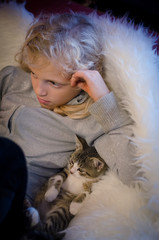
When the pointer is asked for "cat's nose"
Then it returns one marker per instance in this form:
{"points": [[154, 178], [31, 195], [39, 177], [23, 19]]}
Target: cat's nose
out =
{"points": [[71, 171]]}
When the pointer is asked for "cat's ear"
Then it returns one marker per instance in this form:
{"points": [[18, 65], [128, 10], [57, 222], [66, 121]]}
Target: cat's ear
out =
{"points": [[98, 164], [81, 143]]}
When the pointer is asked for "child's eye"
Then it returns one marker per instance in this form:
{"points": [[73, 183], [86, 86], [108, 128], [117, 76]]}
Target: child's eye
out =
{"points": [[56, 85], [34, 75]]}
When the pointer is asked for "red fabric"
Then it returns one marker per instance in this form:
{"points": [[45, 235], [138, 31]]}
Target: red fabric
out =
{"points": [[55, 6]]}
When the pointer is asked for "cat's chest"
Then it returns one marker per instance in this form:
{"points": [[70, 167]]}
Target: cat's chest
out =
{"points": [[74, 184]]}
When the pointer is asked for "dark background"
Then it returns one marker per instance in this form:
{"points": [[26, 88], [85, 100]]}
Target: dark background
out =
{"points": [[140, 11], [145, 12]]}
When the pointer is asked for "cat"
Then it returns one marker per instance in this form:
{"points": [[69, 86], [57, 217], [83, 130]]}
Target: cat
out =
{"points": [[64, 193]]}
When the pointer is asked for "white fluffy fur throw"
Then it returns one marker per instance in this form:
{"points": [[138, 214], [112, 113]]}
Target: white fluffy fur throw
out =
{"points": [[14, 21], [115, 211]]}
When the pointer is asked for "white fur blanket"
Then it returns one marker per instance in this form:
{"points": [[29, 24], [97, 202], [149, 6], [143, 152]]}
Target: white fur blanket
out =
{"points": [[14, 21], [114, 211]]}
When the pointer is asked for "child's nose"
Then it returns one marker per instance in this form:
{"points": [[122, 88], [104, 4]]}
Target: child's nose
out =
{"points": [[41, 89]]}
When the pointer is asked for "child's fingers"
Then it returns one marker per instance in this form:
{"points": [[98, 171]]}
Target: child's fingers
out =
{"points": [[76, 80]]}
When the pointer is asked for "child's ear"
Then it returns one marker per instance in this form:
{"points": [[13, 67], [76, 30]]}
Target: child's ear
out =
{"points": [[98, 164], [81, 143]]}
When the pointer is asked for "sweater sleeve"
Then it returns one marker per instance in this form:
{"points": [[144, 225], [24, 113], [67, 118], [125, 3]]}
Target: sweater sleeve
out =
{"points": [[15, 91], [114, 146], [107, 112], [5, 80]]}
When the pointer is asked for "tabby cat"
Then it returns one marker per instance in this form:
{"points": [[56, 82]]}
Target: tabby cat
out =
{"points": [[64, 193]]}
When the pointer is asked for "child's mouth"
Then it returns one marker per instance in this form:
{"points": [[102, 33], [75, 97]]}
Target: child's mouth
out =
{"points": [[42, 101]]}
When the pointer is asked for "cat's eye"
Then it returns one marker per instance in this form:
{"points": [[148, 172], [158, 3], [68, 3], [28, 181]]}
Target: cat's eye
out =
{"points": [[79, 169], [88, 174]]}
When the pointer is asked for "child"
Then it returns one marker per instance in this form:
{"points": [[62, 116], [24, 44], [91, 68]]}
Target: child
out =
{"points": [[67, 95]]}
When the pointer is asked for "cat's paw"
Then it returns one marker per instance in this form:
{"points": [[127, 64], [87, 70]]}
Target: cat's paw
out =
{"points": [[32, 216], [75, 207], [51, 194]]}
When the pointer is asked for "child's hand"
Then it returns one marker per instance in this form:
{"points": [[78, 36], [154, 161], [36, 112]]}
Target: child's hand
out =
{"points": [[91, 82]]}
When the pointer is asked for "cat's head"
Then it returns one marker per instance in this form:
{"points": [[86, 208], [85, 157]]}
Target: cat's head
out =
{"points": [[85, 161]]}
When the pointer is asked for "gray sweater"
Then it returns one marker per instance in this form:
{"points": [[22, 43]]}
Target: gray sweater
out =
{"points": [[48, 139]]}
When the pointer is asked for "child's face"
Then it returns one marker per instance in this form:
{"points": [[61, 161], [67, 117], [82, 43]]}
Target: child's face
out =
{"points": [[50, 87]]}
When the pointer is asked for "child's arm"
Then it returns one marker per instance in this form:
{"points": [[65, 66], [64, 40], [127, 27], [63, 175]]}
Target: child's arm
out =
{"points": [[114, 146], [91, 82]]}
